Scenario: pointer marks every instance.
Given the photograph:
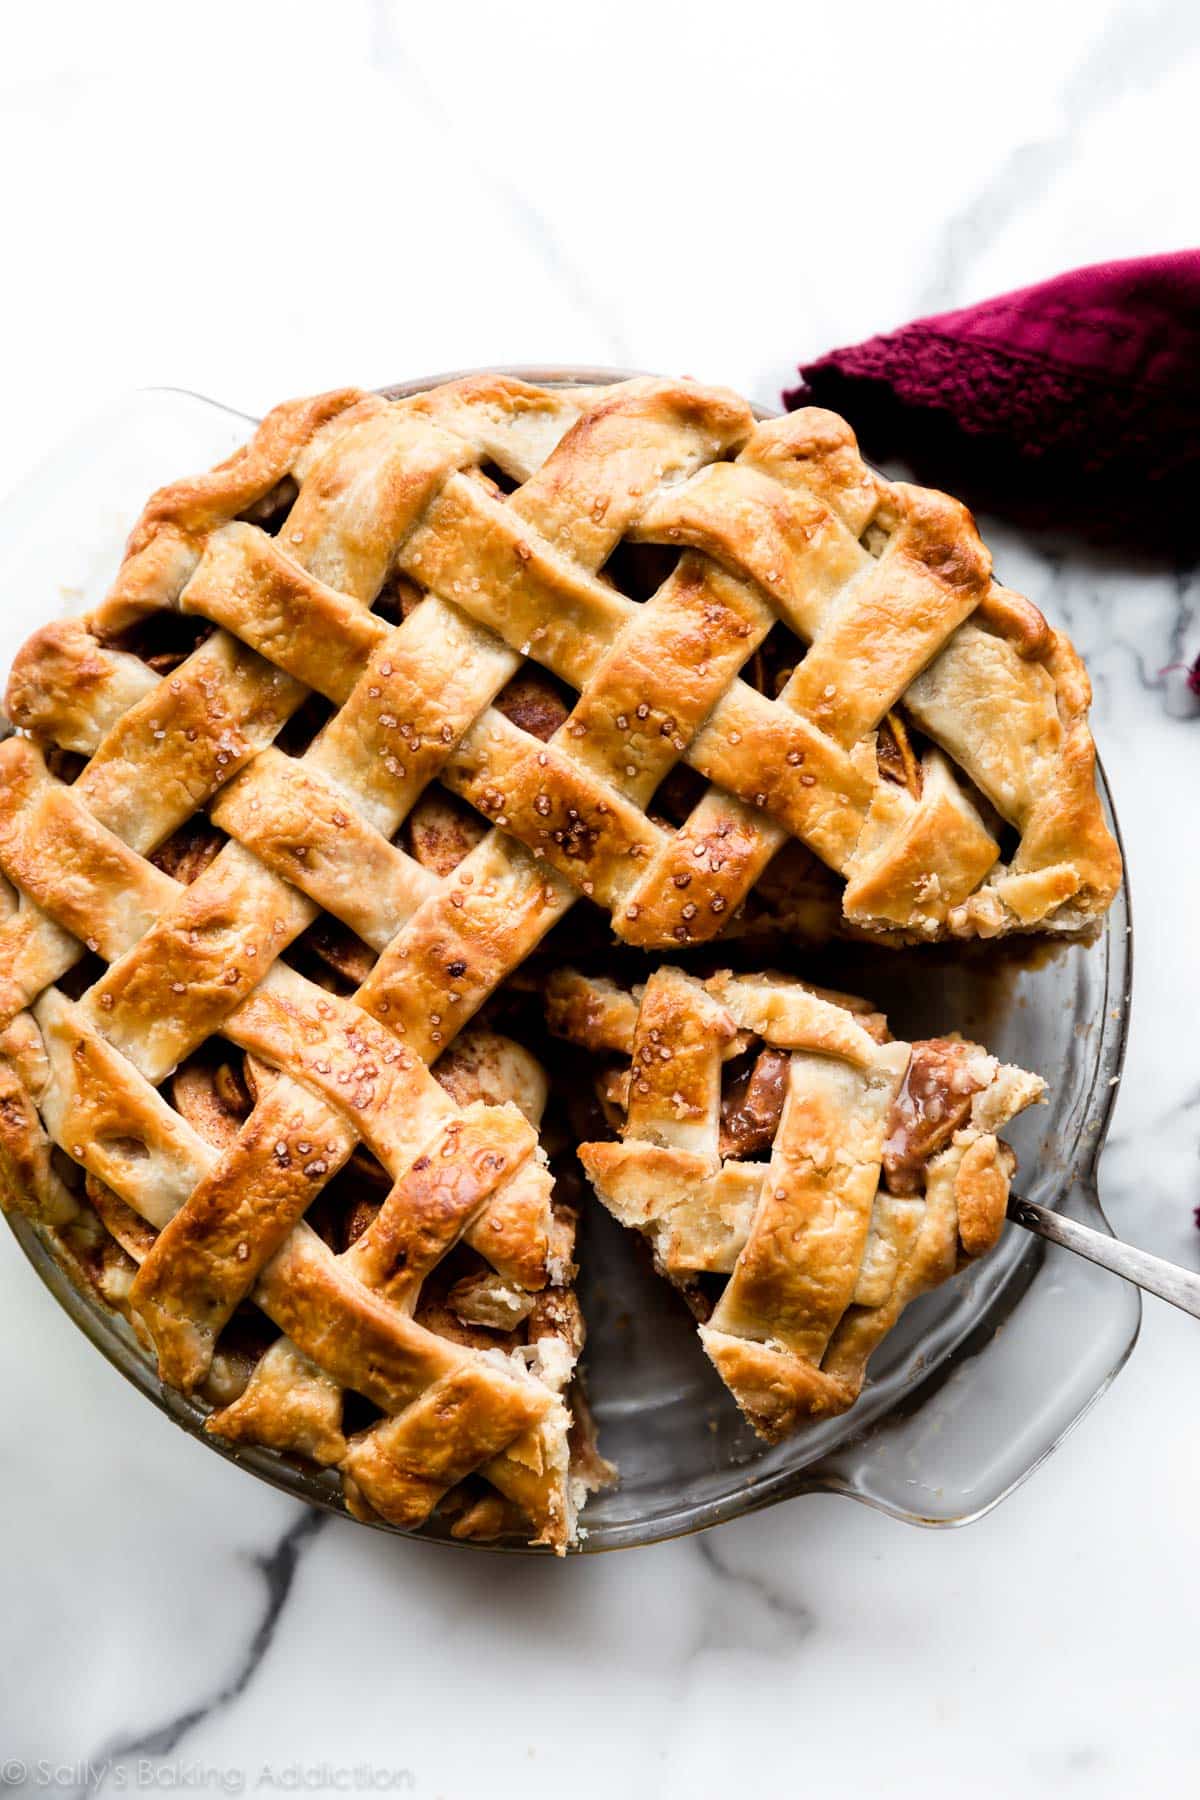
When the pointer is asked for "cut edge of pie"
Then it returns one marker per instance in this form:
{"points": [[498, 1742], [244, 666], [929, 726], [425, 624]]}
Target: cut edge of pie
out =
{"points": [[884, 1171], [512, 1339]]}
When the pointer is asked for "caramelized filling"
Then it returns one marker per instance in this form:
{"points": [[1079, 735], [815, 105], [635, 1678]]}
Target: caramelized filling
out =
{"points": [[932, 1105], [398, 598], [359, 1216], [188, 852], [214, 1097], [340, 951], [895, 755], [440, 831], [752, 1105], [534, 702]]}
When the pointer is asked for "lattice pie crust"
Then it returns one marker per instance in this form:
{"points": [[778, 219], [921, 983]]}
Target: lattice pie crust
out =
{"points": [[366, 711]]}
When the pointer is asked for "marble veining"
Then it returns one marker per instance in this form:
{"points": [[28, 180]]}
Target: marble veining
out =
{"points": [[277, 1569], [269, 200]]}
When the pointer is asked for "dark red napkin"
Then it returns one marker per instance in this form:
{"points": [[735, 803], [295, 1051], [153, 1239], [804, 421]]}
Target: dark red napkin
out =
{"points": [[1074, 403]]}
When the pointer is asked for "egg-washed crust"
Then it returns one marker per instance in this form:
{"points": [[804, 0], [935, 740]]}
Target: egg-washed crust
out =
{"points": [[885, 1172], [396, 564]]}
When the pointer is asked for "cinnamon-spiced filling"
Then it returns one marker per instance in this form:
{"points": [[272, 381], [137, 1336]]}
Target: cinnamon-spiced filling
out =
{"points": [[894, 753], [752, 1105], [933, 1103]]}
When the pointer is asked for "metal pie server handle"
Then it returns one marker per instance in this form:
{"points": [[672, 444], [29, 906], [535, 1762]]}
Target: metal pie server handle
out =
{"points": [[1166, 1279]]}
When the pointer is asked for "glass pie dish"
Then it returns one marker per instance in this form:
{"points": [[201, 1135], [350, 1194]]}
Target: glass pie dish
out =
{"points": [[958, 1410]]}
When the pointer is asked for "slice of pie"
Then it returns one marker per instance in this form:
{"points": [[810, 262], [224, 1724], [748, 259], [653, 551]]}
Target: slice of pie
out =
{"points": [[368, 709], [800, 1174]]}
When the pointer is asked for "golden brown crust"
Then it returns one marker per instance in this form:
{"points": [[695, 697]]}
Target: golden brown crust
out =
{"points": [[384, 510], [822, 1256]]}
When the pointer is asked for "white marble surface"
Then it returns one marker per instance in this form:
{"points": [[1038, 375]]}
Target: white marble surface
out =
{"points": [[254, 200]]}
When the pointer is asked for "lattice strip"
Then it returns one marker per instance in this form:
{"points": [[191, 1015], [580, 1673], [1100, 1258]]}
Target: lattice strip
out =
{"points": [[319, 636], [300, 825]]}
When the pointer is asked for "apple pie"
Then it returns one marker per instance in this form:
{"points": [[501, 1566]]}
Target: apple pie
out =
{"points": [[367, 710]]}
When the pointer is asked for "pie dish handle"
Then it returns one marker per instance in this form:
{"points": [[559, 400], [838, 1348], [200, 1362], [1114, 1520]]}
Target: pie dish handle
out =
{"points": [[972, 1431]]}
